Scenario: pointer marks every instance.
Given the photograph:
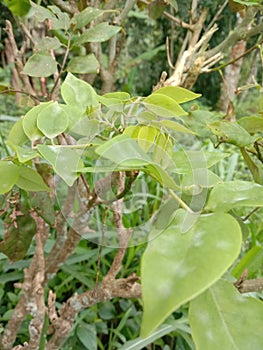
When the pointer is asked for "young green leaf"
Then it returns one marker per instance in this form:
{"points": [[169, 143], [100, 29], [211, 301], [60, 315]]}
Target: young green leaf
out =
{"points": [[177, 93], [146, 137], [163, 106], [222, 318], [177, 265]]}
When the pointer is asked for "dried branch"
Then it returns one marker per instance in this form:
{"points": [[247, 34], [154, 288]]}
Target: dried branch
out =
{"points": [[106, 290], [253, 285]]}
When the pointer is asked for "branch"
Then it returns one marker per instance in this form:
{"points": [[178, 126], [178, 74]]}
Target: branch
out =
{"points": [[106, 290], [69, 7], [241, 32]]}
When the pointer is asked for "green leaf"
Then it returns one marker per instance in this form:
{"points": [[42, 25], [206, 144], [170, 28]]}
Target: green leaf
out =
{"points": [[252, 124], [66, 162], [163, 106], [30, 180], [179, 264], [84, 17], [185, 161], [60, 19], [141, 343], [40, 65], [52, 120], [9, 174], [84, 64], [23, 154], [159, 174], [146, 137], [19, 8], [77, 92], [123, 150], [43, 205], [222, 318], [48, 43], [252, 261], [199, 178], [163, 150], [123, 96], [29, 121], [231, 194], [99, 33], [17, 135], [179, 94], [231, 132], [18, 237], [87, 127], [88, 336], [174, 126], [156, 9]]}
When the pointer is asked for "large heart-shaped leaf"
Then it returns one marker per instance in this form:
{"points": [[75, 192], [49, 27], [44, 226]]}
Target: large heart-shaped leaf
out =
{"points": [[178, 266], [66, 162], [77, 92], [222, 318], [52, 120], [228, 195]]}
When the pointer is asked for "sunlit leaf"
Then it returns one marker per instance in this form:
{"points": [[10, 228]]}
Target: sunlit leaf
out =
{"points": [[177, 93], [77, 92], [252, 124], [40, 65], [29, 121], [48, 43], [182, 261], [52, 120], [66, 162], [163, 106], [222, 318], [228, 195], [146, 137]]}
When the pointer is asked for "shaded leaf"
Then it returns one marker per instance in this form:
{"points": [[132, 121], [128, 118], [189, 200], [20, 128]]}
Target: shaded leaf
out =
{"points": [[170, 124], [84, 17], [222, 318], [252, 124], [42, 204], [17, 135], [84, 64], [9, 174], [99, 33], [17, 239], [48, 43], [88, 336], [231, 132], [30, 180], [231, 194], [19, 8], [40, 65], [179, 264], [199, 178]]}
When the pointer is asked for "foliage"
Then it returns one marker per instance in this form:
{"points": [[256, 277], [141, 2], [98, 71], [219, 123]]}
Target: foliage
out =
{"points": [[148, 180]]}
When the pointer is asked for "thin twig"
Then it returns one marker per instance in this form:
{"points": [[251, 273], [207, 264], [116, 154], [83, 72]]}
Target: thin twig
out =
{"points": [[181, 202]]}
